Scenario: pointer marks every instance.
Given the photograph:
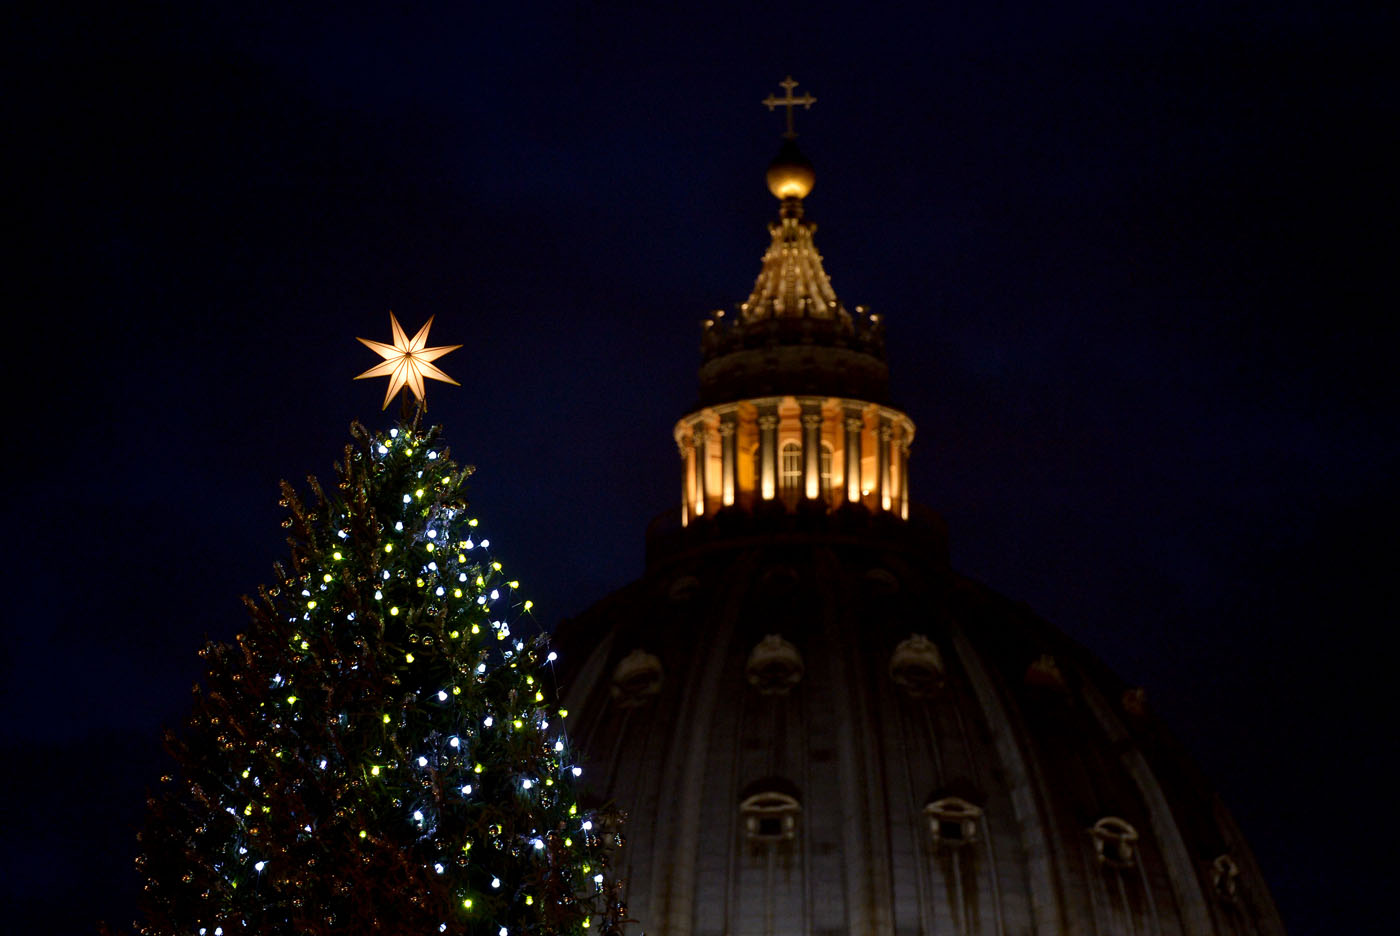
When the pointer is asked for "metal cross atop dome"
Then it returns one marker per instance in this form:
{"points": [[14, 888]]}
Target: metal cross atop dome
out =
{"points": [[806, 100]]}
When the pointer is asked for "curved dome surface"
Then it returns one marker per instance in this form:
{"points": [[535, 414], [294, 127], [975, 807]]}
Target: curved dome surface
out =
{"points": [[935, 758]]}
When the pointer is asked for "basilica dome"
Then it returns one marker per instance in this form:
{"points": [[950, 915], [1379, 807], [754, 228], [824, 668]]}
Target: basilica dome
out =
{"points": [[814, 726]]}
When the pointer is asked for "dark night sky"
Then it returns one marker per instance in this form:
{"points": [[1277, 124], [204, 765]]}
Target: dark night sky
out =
{"points": [[1130, 259]]}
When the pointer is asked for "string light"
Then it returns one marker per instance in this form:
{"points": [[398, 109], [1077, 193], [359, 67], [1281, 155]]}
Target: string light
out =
{"points": [[264, 738]]}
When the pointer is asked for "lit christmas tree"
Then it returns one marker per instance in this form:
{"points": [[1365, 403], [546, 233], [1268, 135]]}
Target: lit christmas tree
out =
{"points": [[382, 750]]}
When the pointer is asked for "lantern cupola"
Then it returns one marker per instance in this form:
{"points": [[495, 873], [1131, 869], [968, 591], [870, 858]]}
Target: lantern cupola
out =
{"points": [[793, 407]]}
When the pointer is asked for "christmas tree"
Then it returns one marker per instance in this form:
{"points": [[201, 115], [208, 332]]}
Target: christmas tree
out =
{"points": [[381, 751]]}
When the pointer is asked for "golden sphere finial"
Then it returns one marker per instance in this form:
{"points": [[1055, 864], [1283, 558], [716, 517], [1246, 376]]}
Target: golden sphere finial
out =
{"points": [[790, 174]]}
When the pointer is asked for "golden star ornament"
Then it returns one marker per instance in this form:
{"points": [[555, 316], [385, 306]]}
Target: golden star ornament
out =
{"points": [[406, 362]]}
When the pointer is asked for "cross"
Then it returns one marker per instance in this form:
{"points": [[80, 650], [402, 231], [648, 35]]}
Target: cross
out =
{"points": [[806, 100]]}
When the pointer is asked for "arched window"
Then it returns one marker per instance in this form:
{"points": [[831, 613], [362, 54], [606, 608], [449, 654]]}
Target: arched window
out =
{"points": [[825, 474], [790, 468], [952, 820], [769, 811]]}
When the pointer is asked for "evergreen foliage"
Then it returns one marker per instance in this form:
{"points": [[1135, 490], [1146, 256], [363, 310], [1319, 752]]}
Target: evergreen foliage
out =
{"points": [[381, 751]]}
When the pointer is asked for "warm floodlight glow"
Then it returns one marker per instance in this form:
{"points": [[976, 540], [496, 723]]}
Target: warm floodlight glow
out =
{"points": [[406, 362], [789, 184]]}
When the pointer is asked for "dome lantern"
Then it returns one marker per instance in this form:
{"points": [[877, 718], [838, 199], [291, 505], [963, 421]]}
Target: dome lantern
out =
{"points": [[793, 410]]}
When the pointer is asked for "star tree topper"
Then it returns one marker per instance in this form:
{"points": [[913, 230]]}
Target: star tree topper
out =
{"points": [[406, 362]]}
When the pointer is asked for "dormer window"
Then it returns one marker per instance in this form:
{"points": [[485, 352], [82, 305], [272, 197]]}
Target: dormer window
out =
{"points": [[1225, 878], [1115, 842], [770, 817], [881, 583], [636, 679], [1135, 702], [774, 666], [610, 826], [683, 589], [916, 666], [1045, 673], [953, 821]]}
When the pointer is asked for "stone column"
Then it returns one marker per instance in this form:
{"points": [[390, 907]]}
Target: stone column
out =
{"points": [[701, 463], [686, 444], [768, 450], [855, 424], [811, 447], [904, 478], [729, 441], [882, 463]]}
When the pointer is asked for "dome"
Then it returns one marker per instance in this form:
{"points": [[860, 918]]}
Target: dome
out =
{"points": [[899, 762], [815, 726]]}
